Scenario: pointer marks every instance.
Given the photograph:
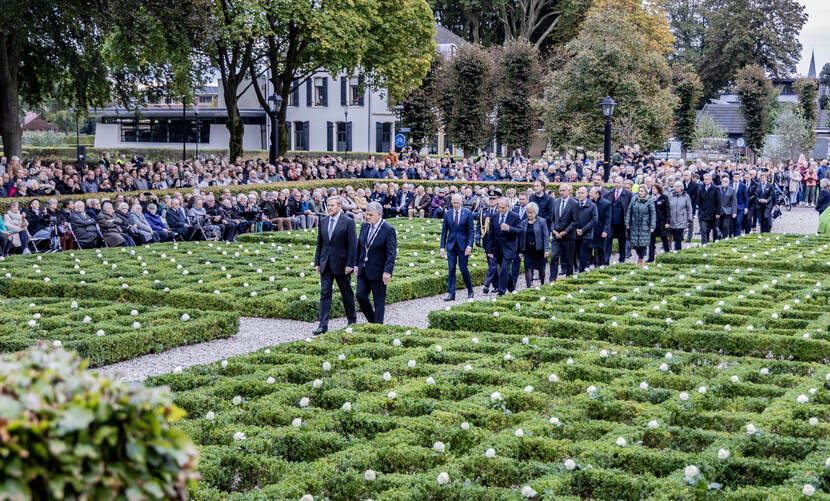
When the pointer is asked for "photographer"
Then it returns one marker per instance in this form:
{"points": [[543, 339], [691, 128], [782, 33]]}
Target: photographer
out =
{"points": [[38, 220]]}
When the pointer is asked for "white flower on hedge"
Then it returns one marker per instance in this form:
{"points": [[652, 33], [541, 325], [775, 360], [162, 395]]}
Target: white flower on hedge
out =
{"points": [[326, 366], [750, 429], [270, 380], [347, 406], [702, 390], [643, 386], [465, 426], [316, 383], [391, 395], [727, 327], [430, 381], [691, 472], [508, 357], [764, 371], [185, 317], [664, 367], [438, 446], [369, 475], [387, 376], [74, 305], [236, 400], [569, 361], [555, 421], [775, 315], [303, 297], [443, 478], [735, 379], [490, 453], [808, 490], [570, 464], [341, 357], [683, 396], [224, 363], [669, 320], [87, 319], [239, 436], [519, 433], [621, 442], [802, 399], [813, 421], [603, 354], [57, 344], [528, 492], [525, 340], [496, 314], [411, 364], [296, 422], [475, 340], [438, 348], [32, 323], [210, 415], [495, 396], [528, 389], [653, 424], [591, 389], [723, 454], [553, 378]]}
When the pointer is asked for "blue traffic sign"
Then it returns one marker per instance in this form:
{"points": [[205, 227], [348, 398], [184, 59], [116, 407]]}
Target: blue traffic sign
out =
{"points": [[400, 140]]}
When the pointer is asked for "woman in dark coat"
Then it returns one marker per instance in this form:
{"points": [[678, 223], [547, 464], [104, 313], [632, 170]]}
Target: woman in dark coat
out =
{"points": [[109, 226], [640, 220], [661, 207], [535, 244]]}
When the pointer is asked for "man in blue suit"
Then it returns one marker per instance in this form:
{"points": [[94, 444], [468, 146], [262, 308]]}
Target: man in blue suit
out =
{"points": [[335, 260], [377, 249], [457, 236], [519, 209], [602, 229], [502, 243], [585, 220], [177, 220], [563, 233], [742, 196], [620, 198]]}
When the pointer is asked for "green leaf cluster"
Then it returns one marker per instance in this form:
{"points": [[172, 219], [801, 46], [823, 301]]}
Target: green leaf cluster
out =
{"points": [[753, 89]]}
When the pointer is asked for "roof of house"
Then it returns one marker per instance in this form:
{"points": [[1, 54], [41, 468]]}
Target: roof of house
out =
{"points": [[727, 116], [33, 121], [445, 36]]}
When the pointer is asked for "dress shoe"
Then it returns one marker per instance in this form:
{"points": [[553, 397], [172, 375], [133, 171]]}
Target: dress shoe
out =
{"points": [[450, 297], [319, 330], [351, 323], [485, 290], [471, 294]]}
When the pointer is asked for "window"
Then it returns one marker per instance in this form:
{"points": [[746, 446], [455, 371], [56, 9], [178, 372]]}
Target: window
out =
{"points": [[300, 143], [341, 136], [162, 130], [294, 95], [318, 92], [205, 99], [354, 92], [383, 141]]}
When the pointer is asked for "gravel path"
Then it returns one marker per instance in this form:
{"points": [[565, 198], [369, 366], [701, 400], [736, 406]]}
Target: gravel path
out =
{"points": [[257, 333]]}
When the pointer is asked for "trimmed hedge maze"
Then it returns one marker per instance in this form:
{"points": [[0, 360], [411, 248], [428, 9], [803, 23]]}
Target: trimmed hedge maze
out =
{"points": [[105, 332], [669, 382], [255, 278]]}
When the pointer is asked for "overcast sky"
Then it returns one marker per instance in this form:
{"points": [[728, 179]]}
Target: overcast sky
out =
{"points": [[815, 35]]}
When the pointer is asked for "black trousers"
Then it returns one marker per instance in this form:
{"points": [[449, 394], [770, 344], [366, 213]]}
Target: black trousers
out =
{"points": [[618, 232], [505, 279], [374, 315], [766, 221], [725, 226], [677, 235], [652, 246], [344, 284], [561, 250], [707, 227]]}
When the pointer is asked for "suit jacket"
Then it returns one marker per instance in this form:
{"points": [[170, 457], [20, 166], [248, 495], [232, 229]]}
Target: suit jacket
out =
{"points": [[501, 242], [423, 202], [603, 224], [176, 218], [728, 201], [540, 234], [765, 192], [405, 198], [564, 219], [710, 203], [520, 211], [585, 219], [83, 227], [741, 195], [379, 258], [457, 237], [693, 190], [619, 206], [110, 229], [339, 252]]}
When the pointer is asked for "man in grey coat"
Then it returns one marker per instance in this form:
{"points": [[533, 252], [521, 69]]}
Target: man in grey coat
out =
{"points": [[729, 207]]}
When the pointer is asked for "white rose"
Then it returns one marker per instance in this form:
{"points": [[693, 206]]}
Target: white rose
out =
{"points": [[683, 396], [185, 317], [32, 323], [691, 472], [210, 415], [411, 364], [702, 390], [468, 368], [177, 370], [86, 320], [396, 342], [369, 475], [808, 490], [391, 395], [603, 354], [475, 340], [347, 406], [224, 364], [438, 348], [802, 399], [74, 305], [438, 446], [495, 396], [490, 453], [133, 313], [239, 436], [735, 379], [341, 357], [57, 344], [570, 464], [430, 380], [664, 367], [236, 400], [443, 478], [643, 385], [750, 429], [519, 433], [553, 378], [723, 453], [304, 402], [296, 422], [465, 426], [555, 421], [326, 366], [270, 380], [307, 497], [316, 383], [764, 371], [528, 492], [813, 421], [653, 424], [591, 389], [387, 376], [621, 442], [136, 325], [496, 314]]}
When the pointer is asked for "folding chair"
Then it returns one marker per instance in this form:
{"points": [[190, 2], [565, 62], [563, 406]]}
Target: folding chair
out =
{"points": [[33, 242]]}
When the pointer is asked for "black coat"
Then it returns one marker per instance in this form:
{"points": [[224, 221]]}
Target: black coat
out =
{"points": [[619, 206], [585, 219], [564, 220], [500, 243], [765, 192], [339, 252], [710, 203], [822, 203], [379, 258], [661, 206]]}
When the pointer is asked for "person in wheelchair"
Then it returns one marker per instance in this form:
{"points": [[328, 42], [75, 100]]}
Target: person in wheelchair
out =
{"points": [[200, 220], [219, 216]]}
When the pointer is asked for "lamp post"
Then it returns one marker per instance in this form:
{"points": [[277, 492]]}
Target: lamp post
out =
{"points": [[184, 131], [607, 106], [198, 130], [275, 103], [346, 132]]}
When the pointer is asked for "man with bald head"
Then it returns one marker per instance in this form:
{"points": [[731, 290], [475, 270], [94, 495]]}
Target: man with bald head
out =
{"points": [[501, 243], [585, 220], [563, 232], [457, 238]]}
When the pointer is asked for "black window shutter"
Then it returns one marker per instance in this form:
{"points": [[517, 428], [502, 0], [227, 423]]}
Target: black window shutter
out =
{"points": [[288, 132], [379, 136], [348, 136], [305, 136], [329, 136], [343, 90], [325, 99], [296, 93], [361, 90], [308, 92]]}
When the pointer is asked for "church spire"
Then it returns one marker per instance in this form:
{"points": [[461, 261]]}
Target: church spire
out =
{"points": [[812, 72]]}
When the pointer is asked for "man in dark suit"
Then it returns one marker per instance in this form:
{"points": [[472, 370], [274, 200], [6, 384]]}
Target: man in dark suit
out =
{"points": [[742, 197], [519, 209], [751, 183], [690, 186], [709, 209], [177, 220], [403, 202], [729, 208], [486, 214], [501, 242], [602, 228], [543, 200], [457, 235], [765, 198], [620, 198], [585, 220], [335, 260], [377, 249], [563, 231]]}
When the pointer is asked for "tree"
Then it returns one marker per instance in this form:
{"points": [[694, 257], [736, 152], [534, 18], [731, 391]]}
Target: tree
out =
{"points": [[807, 91], [477, 21], [469, 79], [519, 75], [739, 33], [388, 44], [792, 136], [535, 20], [649, 18], [824, 75], [753, 89], [610, 57], [708, 134], [688, 20], [419, 109], [85, 56], [687, 88]]}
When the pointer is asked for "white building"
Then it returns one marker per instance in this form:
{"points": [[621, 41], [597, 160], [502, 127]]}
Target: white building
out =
{"points": [[325, 113]]}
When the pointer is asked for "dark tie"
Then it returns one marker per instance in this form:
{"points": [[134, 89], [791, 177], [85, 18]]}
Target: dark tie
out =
{"points": [[456, 218], [561, 208], [332, 222], [372, 230], [501, 220]]}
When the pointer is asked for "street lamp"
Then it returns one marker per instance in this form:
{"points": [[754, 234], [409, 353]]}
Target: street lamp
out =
{"points": [[198, 130], [607, 106], [275, 103], [184, 131], [346, 132], [399, 114]]}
